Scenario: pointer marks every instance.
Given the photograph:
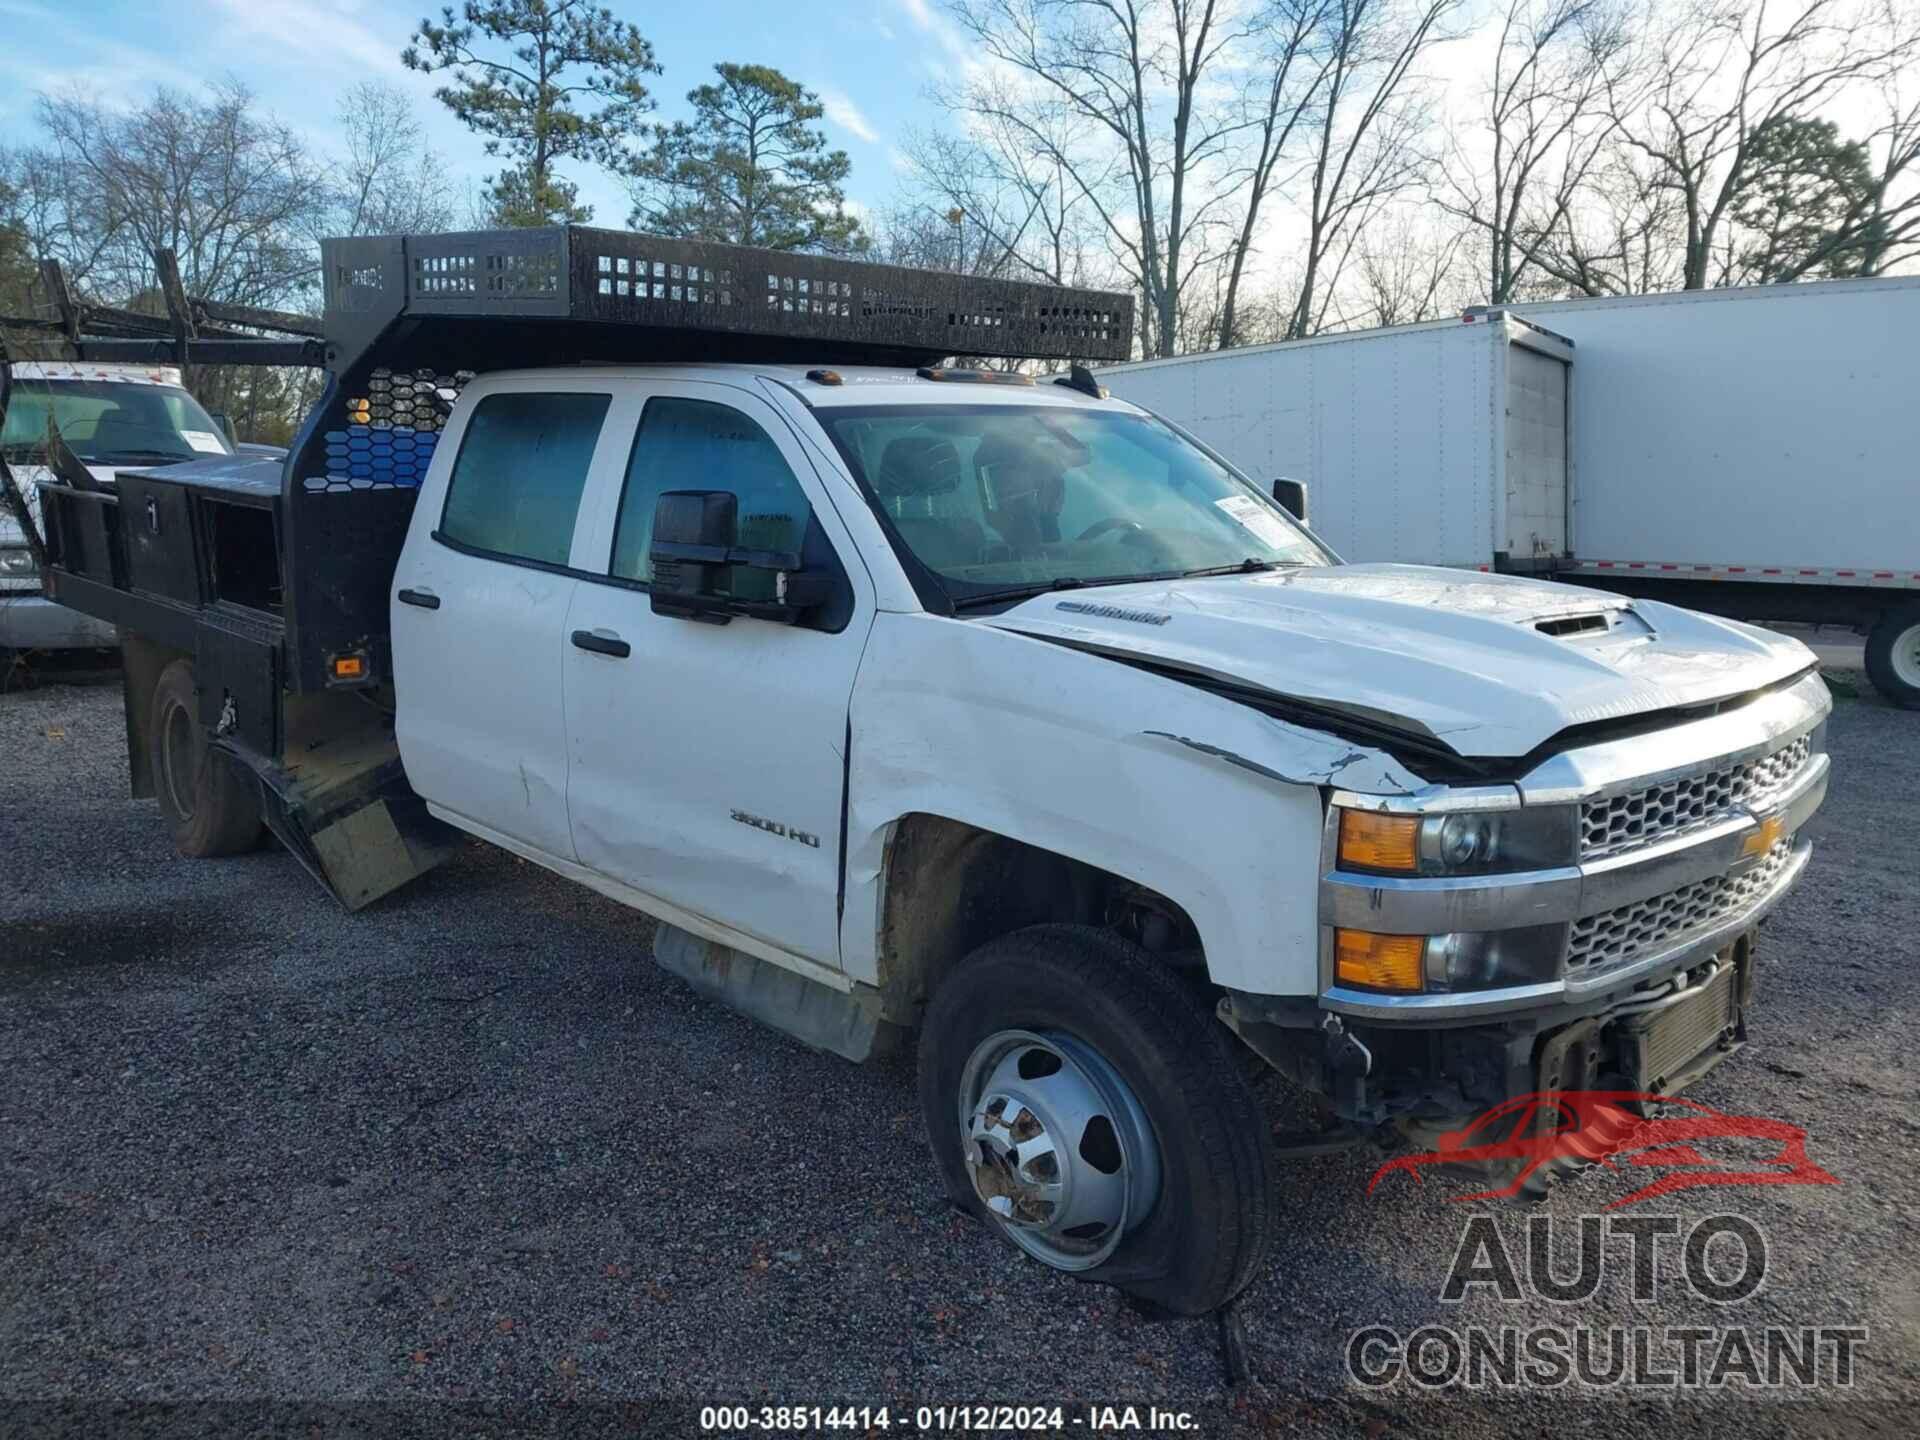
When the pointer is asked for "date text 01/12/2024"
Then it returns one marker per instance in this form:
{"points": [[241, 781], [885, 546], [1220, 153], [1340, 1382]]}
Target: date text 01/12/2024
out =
{"points": [[936, 1419]]}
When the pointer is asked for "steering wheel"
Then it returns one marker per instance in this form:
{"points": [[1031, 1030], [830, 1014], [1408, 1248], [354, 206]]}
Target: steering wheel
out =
{"points": [[1112, 522]]}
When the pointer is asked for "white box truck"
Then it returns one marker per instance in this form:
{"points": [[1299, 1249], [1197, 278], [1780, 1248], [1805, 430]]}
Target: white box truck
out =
{"points": [[1747, 452]]}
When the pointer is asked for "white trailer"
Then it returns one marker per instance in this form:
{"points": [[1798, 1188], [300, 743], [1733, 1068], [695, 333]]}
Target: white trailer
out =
{"points": [[1749, 452], [1436, 444]]}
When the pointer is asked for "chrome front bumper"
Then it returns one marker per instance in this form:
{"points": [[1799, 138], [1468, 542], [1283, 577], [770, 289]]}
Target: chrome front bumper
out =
{"points": [[1756, 850]]}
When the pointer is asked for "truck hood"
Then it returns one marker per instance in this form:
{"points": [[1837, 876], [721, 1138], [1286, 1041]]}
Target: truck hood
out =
{"points": [[1488, 665]]}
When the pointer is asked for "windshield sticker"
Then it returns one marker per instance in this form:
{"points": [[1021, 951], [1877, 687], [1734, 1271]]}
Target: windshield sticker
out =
{"points": [[1256, 517], [205, 441], [1113, 612]]}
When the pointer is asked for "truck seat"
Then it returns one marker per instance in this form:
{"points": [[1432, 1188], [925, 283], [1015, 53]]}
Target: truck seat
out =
{"points": [[913, 470]]}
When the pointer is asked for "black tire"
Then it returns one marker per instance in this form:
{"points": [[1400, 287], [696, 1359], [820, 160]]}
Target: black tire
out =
{"points": [[1893, 646], [1210, 1231], [212, 805]]}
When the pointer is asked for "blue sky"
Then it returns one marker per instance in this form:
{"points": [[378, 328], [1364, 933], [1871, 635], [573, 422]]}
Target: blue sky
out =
{"points": [[870, 61]]}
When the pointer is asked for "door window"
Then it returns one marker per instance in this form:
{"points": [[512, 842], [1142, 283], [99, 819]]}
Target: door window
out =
{"points": [[698, 445], [516, 483]]}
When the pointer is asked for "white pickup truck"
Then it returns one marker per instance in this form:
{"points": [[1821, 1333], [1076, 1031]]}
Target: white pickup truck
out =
{"points": [[111, 416], [915, 698]]}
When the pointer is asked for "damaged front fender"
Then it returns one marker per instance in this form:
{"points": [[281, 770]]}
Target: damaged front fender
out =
{"points": [[1209, 803]]}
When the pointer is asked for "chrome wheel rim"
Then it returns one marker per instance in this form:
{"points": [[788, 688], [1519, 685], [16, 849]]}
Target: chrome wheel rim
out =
{"points": [[1906, 656], [179, 756], [1059, 1150]]}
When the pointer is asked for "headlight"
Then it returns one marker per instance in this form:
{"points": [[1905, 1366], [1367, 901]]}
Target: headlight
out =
{"points": [[18, 564], [1477, 960], [1464, 842]]}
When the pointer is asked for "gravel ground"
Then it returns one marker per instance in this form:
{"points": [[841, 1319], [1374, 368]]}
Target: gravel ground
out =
{"points": [[470, 1145]]}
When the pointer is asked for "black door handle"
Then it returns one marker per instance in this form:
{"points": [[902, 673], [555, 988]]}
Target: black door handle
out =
{"points": [[602, 644], [425, 599]]}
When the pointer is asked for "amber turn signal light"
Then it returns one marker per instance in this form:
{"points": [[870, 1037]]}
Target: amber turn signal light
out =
{"points": [[1379, 842], [1379, 962]]}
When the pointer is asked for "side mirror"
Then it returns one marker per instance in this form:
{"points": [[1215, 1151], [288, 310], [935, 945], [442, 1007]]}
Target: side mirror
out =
{"points": [[225, 422], [1292, 496], [694, 557]]}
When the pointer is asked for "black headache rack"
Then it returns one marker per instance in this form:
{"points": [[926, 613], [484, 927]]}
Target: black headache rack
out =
{"points": [[274, 576]]}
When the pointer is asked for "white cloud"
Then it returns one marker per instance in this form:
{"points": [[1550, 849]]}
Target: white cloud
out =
{"points": [[328, 32], [843, 112], [956, 52]]}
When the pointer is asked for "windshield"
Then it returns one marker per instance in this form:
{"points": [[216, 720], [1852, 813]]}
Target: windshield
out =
{"points": [[106, 422], [997, 499]]}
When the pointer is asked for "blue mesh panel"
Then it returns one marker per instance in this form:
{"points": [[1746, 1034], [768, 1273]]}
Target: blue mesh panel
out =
{"points": [[390, 436]]}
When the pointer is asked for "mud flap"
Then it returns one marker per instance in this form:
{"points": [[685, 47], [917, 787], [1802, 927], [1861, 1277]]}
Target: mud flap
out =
{"points": [[353, 822]]}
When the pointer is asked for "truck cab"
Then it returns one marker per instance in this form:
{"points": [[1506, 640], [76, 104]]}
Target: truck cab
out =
{"points": [[110, 416], [969, 709]]}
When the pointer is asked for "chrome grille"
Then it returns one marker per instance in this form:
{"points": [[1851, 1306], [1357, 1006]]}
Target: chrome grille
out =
{"points": [[1615, 937], [1673, 807]]}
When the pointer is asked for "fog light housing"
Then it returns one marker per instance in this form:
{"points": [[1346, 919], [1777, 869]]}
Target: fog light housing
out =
{"points": [[1448, 964], [1379, 962], [1483, 959]]}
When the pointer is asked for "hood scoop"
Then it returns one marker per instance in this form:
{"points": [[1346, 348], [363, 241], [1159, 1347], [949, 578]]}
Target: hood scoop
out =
{"points": [[1567, 626]]}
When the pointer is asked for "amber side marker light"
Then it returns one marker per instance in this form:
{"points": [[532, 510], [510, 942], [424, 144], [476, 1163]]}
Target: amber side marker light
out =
{"points": [[1379, 962], [1379, 842], [349, 667]]}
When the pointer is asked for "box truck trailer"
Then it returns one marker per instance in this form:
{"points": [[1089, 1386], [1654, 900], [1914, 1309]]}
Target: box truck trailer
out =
{"points": [[1748, 452]]}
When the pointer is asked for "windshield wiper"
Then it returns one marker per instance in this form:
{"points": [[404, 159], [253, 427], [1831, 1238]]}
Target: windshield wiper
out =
{"points": [[1027, 592], [1248, 566]]}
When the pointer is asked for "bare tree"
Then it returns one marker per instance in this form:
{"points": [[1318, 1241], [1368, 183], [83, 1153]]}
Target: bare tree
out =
{"points": [[1366, 151], [1296, 56], [1890, 230], [1005, 206], [391, 181], [1408, 273], [1148, 135], [230, 191], [1516, 175], [1720, 76]]}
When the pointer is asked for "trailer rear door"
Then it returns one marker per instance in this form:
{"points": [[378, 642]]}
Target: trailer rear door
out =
{"points": [[1536, 449]]}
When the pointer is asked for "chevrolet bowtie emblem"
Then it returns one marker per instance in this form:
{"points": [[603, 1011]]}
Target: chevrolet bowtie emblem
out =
{"points": [[1765, 838]]}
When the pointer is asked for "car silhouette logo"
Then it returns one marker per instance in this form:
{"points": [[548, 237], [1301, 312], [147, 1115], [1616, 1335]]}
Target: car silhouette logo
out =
{"points": [[1620, 1130]]}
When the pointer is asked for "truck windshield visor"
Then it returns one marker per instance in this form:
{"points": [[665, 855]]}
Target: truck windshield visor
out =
{"points": [[992, 498], [108, 423]]}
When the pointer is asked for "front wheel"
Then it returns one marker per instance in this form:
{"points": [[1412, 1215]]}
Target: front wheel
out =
{"points": [[1893, 656], [1081, 1100]]}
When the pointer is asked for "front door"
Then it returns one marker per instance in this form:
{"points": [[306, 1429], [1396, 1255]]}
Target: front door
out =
{"points": [[708, 761], [480, 602]]}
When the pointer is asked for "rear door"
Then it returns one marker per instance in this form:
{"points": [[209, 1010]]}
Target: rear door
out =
{"points": [[479, 610], [709, 761], [1536, 450]]}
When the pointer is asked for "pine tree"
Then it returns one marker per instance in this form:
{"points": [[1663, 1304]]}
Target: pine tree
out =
{"points": [[532, 104], [750, 168]]}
